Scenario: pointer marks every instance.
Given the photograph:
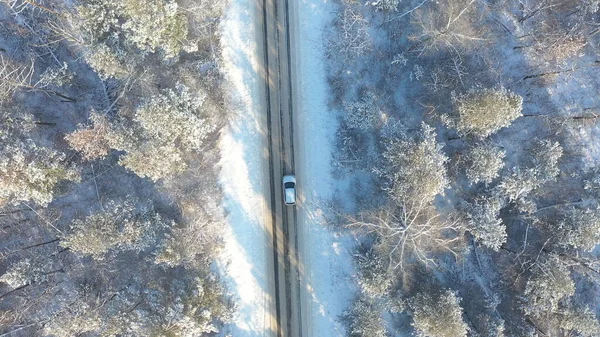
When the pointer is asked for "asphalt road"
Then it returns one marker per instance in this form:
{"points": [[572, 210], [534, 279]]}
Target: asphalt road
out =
{"points": [[275, 19]]}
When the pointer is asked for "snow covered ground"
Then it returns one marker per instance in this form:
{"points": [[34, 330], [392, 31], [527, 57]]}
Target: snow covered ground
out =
{"points": [[327, 256], [243, 261]]}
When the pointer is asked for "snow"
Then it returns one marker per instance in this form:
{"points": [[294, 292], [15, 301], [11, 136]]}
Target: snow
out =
{"points": [[327, 255], [242, 263]]}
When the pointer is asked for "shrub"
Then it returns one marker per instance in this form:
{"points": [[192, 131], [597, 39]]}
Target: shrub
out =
{"points": [[23, 273], [582, 320], [107, 62], [77, 319]]}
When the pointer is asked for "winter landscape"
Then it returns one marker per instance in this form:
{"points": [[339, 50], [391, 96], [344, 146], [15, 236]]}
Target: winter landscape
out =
{"points": [[446, 157]]}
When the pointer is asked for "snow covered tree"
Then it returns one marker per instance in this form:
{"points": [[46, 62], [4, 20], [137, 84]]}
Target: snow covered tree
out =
{"points": [[154, 160], [542, 169], [409, 226], [165, 128], [546, 156], [116, 35], [30, 173], [183, 306], [549, 300], [548, 287], [438, 315], [482, 112], [488, 326], [363, 114], [195, 240], [483, 221], [580, 229], [74, 320], [92, 142], [24, 272], [385, 5], [373, 279], [484, 163], [365, 320], [155, 25], [122, 225], [175, 117], [415, 168], [581, 320], [589, 6]]}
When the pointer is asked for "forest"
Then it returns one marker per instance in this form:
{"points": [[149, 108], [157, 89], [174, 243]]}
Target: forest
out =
{"points": [[470, 130], [110, 216]]}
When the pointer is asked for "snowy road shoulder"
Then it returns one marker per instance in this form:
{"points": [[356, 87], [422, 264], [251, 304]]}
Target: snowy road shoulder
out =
{"points": [[242, 263], [327, 256]]}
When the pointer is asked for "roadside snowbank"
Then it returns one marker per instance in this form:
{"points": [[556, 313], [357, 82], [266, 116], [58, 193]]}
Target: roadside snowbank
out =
{"points": [[242, 262], [327, 256]]}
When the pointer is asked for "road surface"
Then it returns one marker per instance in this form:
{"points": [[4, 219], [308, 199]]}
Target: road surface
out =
{"points": [[276, 22]]}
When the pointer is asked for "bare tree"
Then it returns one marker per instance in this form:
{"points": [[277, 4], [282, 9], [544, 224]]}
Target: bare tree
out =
{"points": [[353, 39], [410, 230], [15, 77], [449, 24]]}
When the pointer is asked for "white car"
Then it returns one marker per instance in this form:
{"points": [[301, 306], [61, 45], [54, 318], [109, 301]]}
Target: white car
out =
{"points": [[289, 190]]}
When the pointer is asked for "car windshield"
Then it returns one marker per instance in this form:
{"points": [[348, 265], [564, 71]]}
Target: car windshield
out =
{"points": [[289, 185], [290, 196]]}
